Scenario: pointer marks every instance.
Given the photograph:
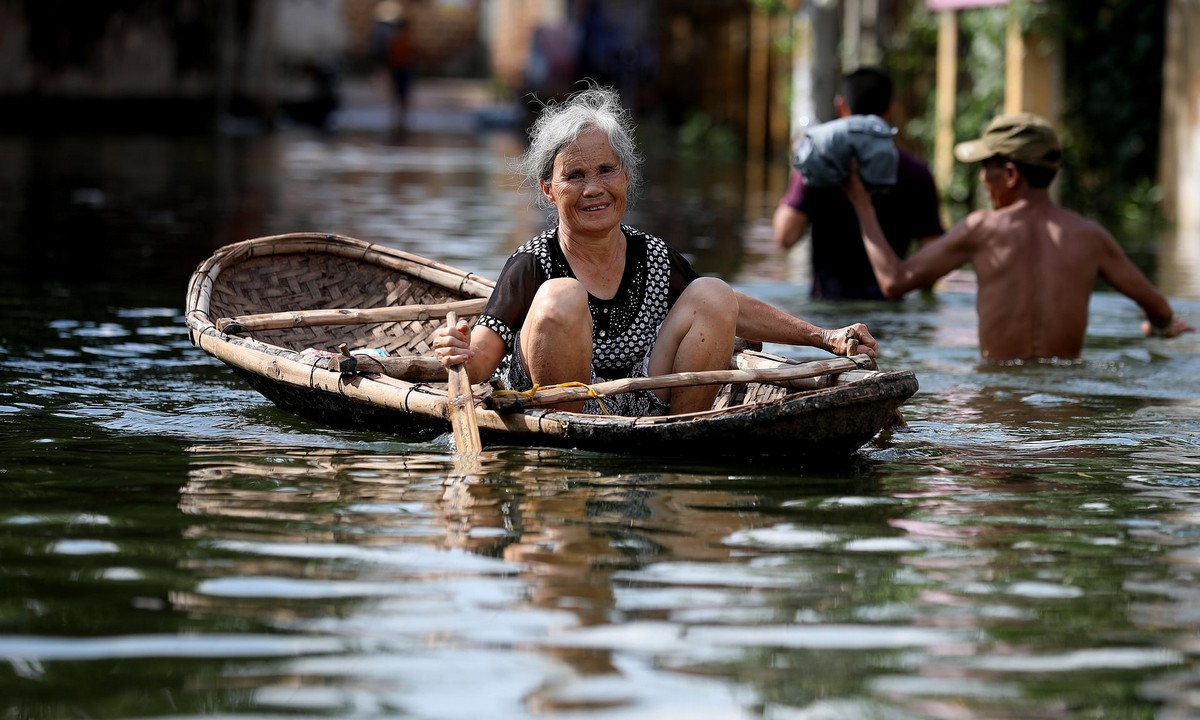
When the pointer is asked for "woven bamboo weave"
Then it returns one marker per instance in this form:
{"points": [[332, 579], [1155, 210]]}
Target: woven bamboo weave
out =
{"points": [[310, 281]]}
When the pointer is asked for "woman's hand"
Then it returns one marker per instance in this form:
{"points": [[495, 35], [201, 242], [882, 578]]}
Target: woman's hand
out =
{"points": [[452, 345], [850, 340]]}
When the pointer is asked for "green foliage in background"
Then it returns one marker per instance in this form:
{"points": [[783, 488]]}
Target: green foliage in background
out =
{"points": [[701, 136], [1111, 102]]}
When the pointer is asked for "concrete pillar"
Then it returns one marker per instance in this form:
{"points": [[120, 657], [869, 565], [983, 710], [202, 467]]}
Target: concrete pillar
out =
{"points": [[814, 64], [947, 89], [1179, 148], [1033, 73], [860, 38], [1179, 159]]}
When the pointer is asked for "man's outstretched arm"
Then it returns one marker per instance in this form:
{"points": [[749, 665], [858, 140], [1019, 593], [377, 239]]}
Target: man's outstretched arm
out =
{"points": [[1127, 279], [895, 276]]}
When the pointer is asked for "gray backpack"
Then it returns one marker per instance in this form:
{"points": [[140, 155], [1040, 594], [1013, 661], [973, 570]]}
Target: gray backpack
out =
{"points": [[823, 155]]}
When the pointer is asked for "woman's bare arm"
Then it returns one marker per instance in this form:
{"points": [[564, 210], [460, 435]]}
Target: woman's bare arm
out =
{"points": [[762, 321]]}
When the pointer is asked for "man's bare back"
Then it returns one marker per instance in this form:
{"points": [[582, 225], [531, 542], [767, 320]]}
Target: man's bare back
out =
{"points": [[1037, 265]]}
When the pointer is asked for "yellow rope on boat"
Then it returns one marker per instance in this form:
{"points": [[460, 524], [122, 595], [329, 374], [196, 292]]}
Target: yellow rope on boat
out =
{"points": [[528, 394]]}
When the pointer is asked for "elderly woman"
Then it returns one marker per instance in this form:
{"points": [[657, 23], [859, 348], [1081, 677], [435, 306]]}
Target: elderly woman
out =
{"points": [[591, 299]]}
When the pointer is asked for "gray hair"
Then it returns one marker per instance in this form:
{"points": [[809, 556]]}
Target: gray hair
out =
{"points": [[561, 123]]}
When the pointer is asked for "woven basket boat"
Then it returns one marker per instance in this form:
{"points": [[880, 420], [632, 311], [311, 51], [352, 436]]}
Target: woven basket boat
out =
{"points": [[338, 330]]}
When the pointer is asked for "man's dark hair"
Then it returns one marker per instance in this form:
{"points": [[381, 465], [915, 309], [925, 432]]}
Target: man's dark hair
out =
{"points": [[1038, 177], [867, 91]]}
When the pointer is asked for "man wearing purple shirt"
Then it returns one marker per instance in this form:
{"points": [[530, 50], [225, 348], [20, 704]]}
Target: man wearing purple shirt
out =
{"points": [[908, 211]]}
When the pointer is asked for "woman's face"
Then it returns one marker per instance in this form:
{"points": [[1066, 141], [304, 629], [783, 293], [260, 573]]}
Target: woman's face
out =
{"points": [[588, 185]]}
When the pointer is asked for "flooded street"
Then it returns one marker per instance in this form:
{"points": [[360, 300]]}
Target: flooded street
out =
{"points": [[172, 545]]}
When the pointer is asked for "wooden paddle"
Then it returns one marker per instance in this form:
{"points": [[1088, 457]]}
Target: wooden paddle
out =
{"points": [[462, 406]]}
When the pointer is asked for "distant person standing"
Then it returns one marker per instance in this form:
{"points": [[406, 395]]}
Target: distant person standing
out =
{"points": [[599, 54], [908, 212], [392, 47]]}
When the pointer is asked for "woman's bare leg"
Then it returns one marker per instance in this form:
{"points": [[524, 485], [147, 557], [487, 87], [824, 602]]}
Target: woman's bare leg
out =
{"points": [[556, 339], [697, 335]]}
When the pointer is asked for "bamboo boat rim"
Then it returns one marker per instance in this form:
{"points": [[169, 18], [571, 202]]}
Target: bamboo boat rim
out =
{"points": [[198, 305]]}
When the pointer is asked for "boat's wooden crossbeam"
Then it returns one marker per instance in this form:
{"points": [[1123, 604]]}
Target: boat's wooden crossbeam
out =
{"points": [[413, 368], [423, 368], [348, 316], [785, 375]]}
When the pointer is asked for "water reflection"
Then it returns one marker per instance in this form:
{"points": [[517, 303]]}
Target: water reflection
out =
{"points": [[594, 577], [326, 534]]}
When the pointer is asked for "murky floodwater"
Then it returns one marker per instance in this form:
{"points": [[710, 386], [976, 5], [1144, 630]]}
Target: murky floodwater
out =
{"points": [[171, 545]]}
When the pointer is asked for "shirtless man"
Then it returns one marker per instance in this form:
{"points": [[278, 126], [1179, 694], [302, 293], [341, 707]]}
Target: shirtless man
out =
{"points": [[1036, 263]]}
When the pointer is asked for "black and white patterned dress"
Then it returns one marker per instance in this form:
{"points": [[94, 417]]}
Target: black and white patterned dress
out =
{"points": [[623, 329]]}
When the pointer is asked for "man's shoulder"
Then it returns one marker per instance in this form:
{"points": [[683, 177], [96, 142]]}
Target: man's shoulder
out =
{"points": [[1077, 222], [1033, 209], [1023, 217]]}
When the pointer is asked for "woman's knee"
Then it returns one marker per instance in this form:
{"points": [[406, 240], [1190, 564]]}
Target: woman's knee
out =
{"points": [[561, 302], [560, 296], [712, 297], [556, 338]]}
